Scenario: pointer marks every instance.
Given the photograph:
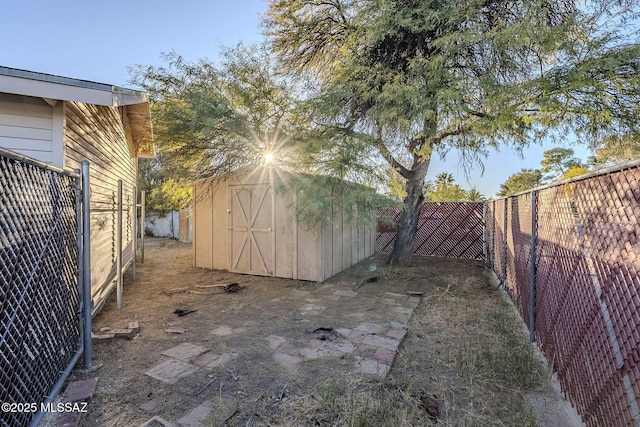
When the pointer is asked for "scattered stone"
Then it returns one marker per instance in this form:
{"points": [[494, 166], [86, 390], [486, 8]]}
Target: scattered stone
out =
{"points": [[205, 359], [149, 406], [80, 391], [385, 355], [222, 331], [102, 338], [105, 329], [185, 351], [224, 358], [374, 367], [171, 371], [176, 330], [197, 417], [157, 422], [349, 294], [275, 341], [124, 333], [312, 309], [290, 363]]}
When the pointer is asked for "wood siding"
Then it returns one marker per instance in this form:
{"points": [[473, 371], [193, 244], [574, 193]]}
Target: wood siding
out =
{"points": [[299, 251], [31, 127], [101, 136]]}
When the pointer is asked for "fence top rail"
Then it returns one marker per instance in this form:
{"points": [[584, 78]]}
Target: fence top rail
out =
{"points": [[604, 171], [36, 163]]}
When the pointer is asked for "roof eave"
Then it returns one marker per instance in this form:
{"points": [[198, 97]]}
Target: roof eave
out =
{"points": [[29, 83]]}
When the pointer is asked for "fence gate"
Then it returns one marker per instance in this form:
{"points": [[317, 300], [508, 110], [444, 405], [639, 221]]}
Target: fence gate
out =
{"points": [[40, 299]]}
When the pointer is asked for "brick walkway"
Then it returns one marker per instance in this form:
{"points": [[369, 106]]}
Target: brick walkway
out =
{"points": [[364, 340]]}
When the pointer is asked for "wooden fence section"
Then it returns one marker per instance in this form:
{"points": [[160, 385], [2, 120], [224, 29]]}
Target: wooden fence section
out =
{"points": [[450, 229]]}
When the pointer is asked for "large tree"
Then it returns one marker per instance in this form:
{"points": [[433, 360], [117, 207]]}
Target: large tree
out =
{"points": [[524, 180], [403, 78], [557, 161], [212, 118]]}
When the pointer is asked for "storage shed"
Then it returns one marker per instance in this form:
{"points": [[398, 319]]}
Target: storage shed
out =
{"points": [[62, 121], [247, 224]]}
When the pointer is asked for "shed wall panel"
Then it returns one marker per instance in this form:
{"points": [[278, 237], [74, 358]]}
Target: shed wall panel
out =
{"points": [[285, 232], [309, 260], [219, 223], [298, 252], [202, 222]]}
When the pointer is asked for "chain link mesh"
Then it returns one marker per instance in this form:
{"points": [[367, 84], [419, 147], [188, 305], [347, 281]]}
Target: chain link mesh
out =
{"points": [[450, 229], [39, 319], [587, 290]]}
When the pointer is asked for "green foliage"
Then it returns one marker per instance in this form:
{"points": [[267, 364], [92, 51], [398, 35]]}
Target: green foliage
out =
{"points": [[320, 198], [210, 119], [524, 180], [557, 161], [444, 189], [173, 194], [573, 172], [615, 149]]}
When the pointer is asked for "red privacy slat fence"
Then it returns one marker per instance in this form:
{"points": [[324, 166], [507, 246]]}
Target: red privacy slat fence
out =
{"points": [[585, 311], [444, 229], [568, 255]]}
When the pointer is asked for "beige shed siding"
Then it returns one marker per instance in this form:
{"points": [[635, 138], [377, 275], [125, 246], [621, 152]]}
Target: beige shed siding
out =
{"points": [[298, 251], [203, 217], [27, 127], [100, 135]]}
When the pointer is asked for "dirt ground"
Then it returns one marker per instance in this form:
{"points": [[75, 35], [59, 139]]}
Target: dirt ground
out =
{"points": [[288, 352]]}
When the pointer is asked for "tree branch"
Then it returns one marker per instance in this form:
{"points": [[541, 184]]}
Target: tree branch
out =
{"points": [[382, 149]]}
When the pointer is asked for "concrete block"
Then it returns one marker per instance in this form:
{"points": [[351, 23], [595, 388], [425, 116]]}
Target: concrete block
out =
{"points": [[185, 351], [124, 333], [103, 338], [197, 417], [80, 391], [157, 422], [171, 371]]}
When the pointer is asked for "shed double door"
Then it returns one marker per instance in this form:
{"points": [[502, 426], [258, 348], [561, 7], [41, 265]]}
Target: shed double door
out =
{"points": [[251, 229]]}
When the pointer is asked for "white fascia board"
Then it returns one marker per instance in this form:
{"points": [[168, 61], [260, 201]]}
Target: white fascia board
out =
{"points": [[115, 97]]}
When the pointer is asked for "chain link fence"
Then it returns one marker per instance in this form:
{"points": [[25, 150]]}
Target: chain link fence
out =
{"points": [[449, 229], [570, 262], [40, 315]]}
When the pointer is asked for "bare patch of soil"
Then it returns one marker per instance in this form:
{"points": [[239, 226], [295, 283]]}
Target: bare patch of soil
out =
{"points": [[270, 366]]}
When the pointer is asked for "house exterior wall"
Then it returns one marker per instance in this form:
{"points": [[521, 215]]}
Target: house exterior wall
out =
{"points": [[101, 135], [31, 127], [298, 251]]}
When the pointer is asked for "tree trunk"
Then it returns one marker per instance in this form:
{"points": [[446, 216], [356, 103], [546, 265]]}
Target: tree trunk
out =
{"points": [[402, 253]]}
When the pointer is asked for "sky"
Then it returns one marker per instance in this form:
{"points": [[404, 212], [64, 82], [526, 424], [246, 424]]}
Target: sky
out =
{"points": [[100, 40]]}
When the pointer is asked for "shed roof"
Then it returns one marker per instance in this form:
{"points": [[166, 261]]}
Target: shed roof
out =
{"points": [[54, 88]]}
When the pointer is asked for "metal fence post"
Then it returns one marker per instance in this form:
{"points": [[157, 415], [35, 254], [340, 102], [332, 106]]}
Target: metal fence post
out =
{"points": [[504, 244], [485, 248], [86, 263], [119, 245], [135, 232], [532, 266], [142, 214]]}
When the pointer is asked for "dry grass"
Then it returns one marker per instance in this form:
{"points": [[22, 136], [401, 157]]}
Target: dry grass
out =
{"points": [[466, 350]]}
